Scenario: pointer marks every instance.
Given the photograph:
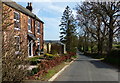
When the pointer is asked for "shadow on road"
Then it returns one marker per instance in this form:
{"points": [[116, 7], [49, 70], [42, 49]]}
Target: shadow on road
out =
{"points": [[99, 64], [96, 62]]}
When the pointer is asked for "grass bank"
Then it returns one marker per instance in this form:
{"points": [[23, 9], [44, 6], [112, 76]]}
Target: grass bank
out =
{"points": [[53, 71]]}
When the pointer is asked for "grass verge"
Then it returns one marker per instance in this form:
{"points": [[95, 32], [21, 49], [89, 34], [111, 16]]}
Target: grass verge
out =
{"points": [[53, 71]]}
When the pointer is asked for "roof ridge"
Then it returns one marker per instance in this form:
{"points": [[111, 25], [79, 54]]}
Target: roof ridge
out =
{"points": [[20, 8]]}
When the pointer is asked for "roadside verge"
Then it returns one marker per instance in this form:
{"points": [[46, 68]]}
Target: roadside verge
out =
{"points": [[57, 74]]}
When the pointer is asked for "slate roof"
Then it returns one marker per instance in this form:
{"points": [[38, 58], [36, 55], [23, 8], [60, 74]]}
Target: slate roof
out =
{"points": [[22, 9]]}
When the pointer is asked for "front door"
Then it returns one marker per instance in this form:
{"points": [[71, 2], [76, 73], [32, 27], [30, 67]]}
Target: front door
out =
{"points": [[30, 48]]}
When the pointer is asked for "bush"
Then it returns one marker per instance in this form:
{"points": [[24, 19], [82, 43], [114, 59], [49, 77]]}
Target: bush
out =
{"points": [[33, 71], [34, 60], [45, 65], [94, 55], [114, 57], [75, 56]]}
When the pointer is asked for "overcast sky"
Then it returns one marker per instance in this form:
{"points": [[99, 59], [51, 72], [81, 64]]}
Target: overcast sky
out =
{"points": [[50, 12]]}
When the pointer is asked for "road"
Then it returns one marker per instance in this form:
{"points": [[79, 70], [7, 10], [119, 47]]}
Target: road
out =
{"points": [[88, 69]]}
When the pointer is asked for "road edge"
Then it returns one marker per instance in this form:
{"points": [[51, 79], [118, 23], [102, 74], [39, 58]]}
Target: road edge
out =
{"points": [[57, 74]]}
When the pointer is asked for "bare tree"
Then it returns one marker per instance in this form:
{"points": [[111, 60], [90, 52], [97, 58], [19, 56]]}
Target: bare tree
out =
{"points": [[13, 62], [110, 13], [1, 42], [92, 24], [101, 20]]}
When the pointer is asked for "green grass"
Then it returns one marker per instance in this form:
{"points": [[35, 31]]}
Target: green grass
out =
{"points": [[52, 72], [35, 58], [74, 56], [116, 46]]}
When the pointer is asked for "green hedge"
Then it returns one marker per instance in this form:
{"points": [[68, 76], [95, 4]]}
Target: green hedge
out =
{"points": [[94, 55], [34, 60], [114, 57]]}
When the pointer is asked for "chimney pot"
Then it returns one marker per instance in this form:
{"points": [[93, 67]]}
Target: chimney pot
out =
{"points": [[29, 6]]}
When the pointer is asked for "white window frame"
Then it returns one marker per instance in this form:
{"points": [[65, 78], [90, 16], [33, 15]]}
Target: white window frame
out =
{"points": [[38, 39], [29, 24], [16, 20], [37, 27], [38, 43]]}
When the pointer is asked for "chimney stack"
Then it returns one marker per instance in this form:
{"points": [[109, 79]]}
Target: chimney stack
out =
{"points": [[29, 6]]}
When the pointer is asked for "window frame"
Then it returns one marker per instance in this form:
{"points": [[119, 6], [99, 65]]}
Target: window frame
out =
{"points": [[38, 28], [38, 39], [17, 20], [37, 25], [17, 44], [30, 24]]}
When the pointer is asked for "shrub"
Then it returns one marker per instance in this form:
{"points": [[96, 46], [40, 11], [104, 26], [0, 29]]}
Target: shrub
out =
{"points": [[45, 65], [113, 58], [33, 71], [75, 56], [34, 60]]}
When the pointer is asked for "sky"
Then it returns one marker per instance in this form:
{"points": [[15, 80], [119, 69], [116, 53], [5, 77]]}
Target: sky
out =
{"points": [[50, 12]]}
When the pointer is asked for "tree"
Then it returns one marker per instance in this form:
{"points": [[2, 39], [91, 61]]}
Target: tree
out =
{"points": [[92, 25], [110, 13], [68, 30], [0, 42], [101, 20], [13, 65]]}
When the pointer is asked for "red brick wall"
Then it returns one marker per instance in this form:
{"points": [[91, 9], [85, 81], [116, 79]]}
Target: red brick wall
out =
{"points": [[23, 31], [40, 35]]}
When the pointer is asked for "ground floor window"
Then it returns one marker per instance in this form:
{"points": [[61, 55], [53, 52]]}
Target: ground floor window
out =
{"points": [[38, 46], [17, 44]]}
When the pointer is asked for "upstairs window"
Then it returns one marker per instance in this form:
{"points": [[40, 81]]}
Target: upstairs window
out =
{"points": [[16, 20], [29, 25], [38, 28]]}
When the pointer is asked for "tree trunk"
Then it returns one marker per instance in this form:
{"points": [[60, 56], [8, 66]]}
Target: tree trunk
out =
{"points": [[110, 42], [99, 38]]}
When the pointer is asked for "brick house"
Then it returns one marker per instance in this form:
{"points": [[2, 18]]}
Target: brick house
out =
{"points": [[27, 27]]}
